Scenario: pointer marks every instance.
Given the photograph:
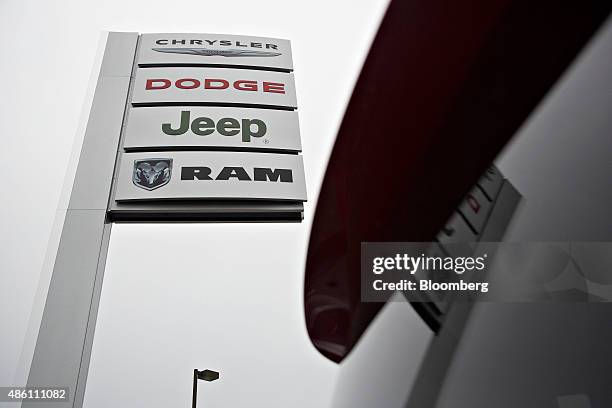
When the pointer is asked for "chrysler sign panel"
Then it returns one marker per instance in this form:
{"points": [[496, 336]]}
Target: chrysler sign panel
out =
{"points": [[220, 86], [210, 175], [213, 128], [214, 49]]}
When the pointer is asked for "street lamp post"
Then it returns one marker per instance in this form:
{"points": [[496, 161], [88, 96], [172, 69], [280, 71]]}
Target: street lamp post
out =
{"points": [[206, 375]]}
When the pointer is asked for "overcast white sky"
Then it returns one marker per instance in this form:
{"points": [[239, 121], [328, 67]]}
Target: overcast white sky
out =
{"points": [[241, 283]]}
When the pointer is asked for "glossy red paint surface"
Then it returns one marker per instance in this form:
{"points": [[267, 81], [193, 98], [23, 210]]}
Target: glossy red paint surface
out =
{"points": [[444, 88]]}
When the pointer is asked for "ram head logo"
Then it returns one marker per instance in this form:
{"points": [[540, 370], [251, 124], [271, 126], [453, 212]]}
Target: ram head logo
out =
{"points": [[150, 174]]}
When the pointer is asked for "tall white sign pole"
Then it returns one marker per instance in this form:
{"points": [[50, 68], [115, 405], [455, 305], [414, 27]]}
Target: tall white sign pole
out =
{"points": [[61, 355]]}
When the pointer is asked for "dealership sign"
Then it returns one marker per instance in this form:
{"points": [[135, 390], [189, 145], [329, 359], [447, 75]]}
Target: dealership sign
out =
{"points": [[211, 123], [182, 128]]}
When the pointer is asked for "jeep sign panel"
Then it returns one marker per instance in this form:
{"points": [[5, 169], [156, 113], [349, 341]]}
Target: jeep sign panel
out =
{"points": [[213, 128], [213, 86], [214, 50], [210, 175]]}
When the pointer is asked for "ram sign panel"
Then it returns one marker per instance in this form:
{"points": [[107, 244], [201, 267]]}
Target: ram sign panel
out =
{"points": [[218, 86], [210, 175], [214, 49], [207, 127]]}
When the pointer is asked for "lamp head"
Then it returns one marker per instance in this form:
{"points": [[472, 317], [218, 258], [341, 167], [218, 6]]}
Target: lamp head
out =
{"points": [[207, 375]]}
